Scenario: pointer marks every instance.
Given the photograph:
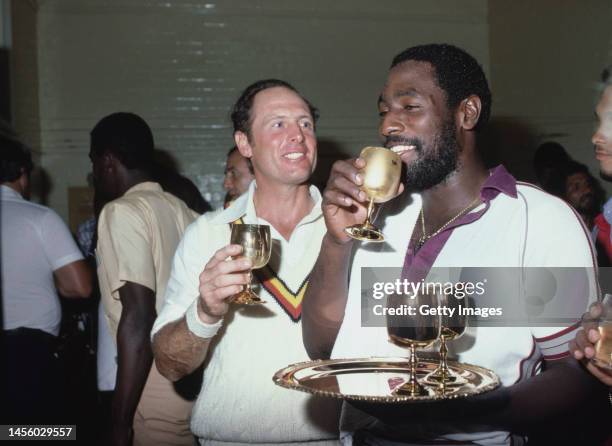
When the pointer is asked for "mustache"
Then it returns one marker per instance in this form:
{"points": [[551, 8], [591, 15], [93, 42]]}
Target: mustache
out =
{"points": [[395, 140]]}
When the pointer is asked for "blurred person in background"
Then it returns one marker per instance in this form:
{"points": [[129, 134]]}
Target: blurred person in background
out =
{"points": [[238, 175], [548, 161], [583, 347], [39, 261], [582, 191], [165, 172], [138, 231]]}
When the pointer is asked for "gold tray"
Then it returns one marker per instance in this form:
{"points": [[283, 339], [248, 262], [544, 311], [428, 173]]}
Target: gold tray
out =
{"points": [[376, 379]]}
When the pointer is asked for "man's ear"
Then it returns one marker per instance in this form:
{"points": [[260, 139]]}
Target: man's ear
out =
{"points": [[109, 161], [469, 112], [24, 183], [242, 142]]}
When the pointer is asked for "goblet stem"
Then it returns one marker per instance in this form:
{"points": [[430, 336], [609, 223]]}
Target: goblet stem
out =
{"points": [[247, 287], [369, 216], [443, 375], [366, 231], [414, 385], [247, 296], [443, 359]]}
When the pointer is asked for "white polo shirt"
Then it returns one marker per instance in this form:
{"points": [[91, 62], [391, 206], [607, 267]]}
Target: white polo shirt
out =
{"points": [[239, 403], [517, 226], [35, 242]]}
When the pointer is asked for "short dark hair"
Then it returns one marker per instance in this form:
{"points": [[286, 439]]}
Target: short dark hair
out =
{"points": [[549, 154], [15, 159], [248, 160], [572, 167], [457, 73], [125, 135], [230, 151], [241, 112]]}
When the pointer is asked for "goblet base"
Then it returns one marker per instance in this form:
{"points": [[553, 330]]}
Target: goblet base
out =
{"points": [[365, 232], [248, 298], [444, 377], [411, 389]]}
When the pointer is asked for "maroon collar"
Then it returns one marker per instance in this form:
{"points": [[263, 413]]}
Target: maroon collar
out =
{"points": [[499, 180], [417, 266]]}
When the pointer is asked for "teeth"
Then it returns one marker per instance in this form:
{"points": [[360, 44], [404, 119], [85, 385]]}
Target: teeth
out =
{"points": [[401, 149], [294, 155]]}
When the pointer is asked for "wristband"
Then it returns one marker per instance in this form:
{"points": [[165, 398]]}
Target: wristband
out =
{"points": [[196, 326]]}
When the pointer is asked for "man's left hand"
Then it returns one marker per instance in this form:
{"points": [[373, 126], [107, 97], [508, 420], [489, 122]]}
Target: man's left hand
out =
{"points": [[583, 346]]}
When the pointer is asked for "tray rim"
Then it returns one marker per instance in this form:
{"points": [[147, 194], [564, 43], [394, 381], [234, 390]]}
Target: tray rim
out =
{"points": [[278, 379]]}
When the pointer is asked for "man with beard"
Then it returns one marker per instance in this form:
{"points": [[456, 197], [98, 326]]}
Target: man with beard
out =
{"points": [[583, 346], [459, 214], [585, 195], [581, 191]]}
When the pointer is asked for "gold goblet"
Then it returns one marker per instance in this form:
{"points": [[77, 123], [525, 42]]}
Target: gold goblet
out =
{"points": [[381, 176], [603, 347], [451, 327], [418, 330], [256, 245]]}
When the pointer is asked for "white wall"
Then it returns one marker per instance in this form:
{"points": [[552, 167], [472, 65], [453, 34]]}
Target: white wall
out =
{"points": [[181, 64], [25, 75], [5, 24]]}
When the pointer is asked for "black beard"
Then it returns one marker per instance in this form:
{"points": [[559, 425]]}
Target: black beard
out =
{"points": [[435, 166]]}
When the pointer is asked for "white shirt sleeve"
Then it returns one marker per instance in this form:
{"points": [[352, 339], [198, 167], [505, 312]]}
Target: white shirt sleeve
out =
{"points": [[189, 261], [562, 243], [57, 241]]}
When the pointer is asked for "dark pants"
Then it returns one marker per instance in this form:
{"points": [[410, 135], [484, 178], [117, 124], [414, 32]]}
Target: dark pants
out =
{"points": [[104, 417], [33, 383]]}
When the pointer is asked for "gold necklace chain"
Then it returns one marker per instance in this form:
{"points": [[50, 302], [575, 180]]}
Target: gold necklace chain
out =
{"points": [[424, 237]]}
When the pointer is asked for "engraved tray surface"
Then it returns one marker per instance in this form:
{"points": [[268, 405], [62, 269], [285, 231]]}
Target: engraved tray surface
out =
{"points": [[377, 379]]}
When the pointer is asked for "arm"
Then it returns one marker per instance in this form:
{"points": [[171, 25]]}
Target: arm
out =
{"points": [[71, 273], [564, 387], [73, 279], [178, 351], [562, 390], [322, 316], [134, 357], [344, 204]]}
